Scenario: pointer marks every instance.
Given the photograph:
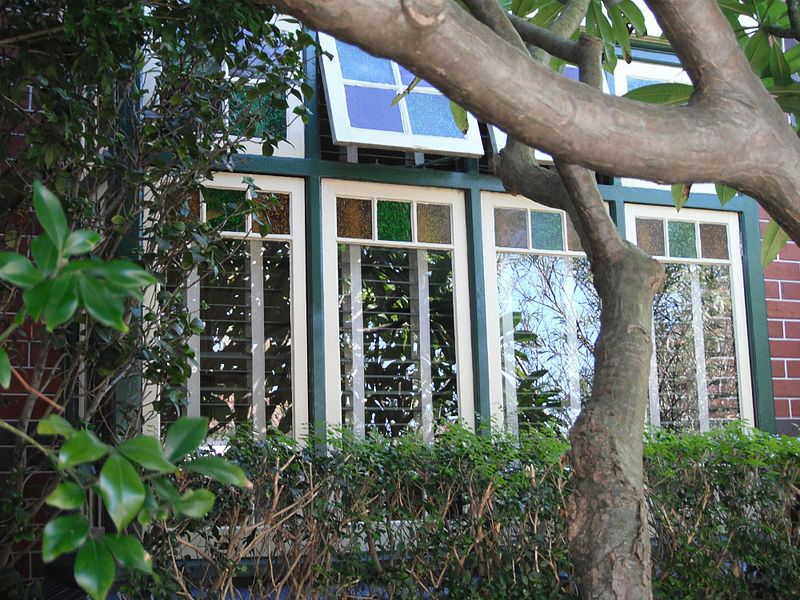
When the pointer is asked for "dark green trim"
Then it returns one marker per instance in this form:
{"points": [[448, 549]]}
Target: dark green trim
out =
{"points": [[311, 128], [477, 307], [617, 210], [314, 300], [756, 310]]}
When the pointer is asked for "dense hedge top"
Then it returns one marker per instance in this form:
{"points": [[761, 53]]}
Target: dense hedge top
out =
{"points": [[473, 517]]}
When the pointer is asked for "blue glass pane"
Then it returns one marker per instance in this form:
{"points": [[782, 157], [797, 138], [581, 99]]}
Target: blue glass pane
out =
{"points": [[360, 66], [370, 108], [546, 231], [407, 77], [634, 83], [571, 71], [430, 114]]}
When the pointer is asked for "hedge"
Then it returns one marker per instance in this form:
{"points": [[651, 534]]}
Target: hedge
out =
{"points": [[471, 517]]}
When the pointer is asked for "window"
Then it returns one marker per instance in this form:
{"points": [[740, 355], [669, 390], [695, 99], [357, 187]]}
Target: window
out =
{"points": [[361, 88], [397, 308], [251, 356], [543, 315], [700, 376]]}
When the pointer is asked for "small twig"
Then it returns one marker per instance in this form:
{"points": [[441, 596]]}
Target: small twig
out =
{"points": [[35, 392]]}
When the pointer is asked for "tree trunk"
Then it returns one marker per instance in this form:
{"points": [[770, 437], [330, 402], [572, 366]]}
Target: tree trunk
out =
{"points": [[608, 533]]}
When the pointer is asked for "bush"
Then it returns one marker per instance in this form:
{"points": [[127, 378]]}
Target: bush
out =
{"points": [[471, 517]]}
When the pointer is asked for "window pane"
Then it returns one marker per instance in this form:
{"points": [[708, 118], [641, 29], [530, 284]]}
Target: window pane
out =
{"points": [[371, 108], [360, 66], [675, 350], [396, 338], [274, 214], [394, 221], [225, 344], [433, 223], [546, 231], [430, 114], [266, 119], [222, 207], [510, 229], [714, 240], [682, 239], [277, 336], [354, 218], [650, 236], [721, 372], [407, 77], [549, 321]]}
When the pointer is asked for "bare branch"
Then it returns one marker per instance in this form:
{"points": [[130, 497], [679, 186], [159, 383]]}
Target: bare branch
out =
{"points": [[491, 14], [550, 42]]}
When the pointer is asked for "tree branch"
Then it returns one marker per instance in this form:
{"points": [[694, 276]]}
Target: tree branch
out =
{"points": [[550, 42], [491, 14]]}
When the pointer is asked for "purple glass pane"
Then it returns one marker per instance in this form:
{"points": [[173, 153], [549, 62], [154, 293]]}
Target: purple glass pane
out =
{"points": [[360, 66], [571, 71], [370, 108], [407, 77], [430, 115]]}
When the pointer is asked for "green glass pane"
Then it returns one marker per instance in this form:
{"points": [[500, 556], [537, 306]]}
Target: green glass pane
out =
{"points": [[509, 228], [547, 231], [354, 218], [222, 207], [394, 221], [274, 214], [682, 239], [433, 223], [255, 116], [650, 236], [714, 240]]}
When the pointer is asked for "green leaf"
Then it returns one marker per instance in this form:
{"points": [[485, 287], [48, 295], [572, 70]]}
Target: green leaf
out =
{"points": [[45, 254], [103, 306], [779, 68], [772, 243], [166, 490], [63, 534], [725, 193], [36, 298], [757, 51], [460, 117], [50, 214], [680, 194], [634, 15], [94, 569], [662, 93], [195, 503], [18, 270], [5, 369], [121, 489], [406, 91], [618, 22], [184, 435], [129, 552], [66, 496], [55, 425], [147, 451], [218, 468], [83, 447], [62, 301], [80, 242], [128, 274]]}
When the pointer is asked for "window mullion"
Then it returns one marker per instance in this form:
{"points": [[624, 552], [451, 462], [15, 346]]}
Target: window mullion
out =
{"points": [[193, 382], [257, 336], [357, 338], [655, 407], [571, 335], [423, 327], [699, 349]]}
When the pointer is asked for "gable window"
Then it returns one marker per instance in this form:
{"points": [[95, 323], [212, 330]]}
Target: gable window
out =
{"points": [[361, 91], [251, 356], [397, 309]]}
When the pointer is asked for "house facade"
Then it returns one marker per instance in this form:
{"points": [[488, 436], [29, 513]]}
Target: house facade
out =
{"points": [[400, 287]]}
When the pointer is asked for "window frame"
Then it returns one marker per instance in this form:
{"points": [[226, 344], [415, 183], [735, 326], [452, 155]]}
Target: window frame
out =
{"points": [[334, 188]]}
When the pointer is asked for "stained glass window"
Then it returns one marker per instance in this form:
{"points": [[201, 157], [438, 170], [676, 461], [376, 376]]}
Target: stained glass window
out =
{"points": [[394, 221], [354, 218], [275, 213], [714, 240], [650, 236], [510, 229], [682, 239], [365, 110], [225, 209], [546, 231], [433, 224]]}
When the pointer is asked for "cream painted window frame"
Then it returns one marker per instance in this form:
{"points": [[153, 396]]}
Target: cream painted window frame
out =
{"points": [[331, 190]]}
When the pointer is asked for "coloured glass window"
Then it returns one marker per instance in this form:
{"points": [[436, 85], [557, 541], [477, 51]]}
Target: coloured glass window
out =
{"points": [[547, 231], [714, 240], [394, 221], [650, 236], [510, 228], [433, 224], [354, 218], [682, 239]]}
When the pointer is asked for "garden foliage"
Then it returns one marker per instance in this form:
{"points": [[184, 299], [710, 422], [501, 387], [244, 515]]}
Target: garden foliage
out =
{"points": [[470, 517]]}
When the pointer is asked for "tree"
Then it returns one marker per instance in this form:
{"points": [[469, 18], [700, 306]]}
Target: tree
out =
{"points": [[123, 109], [491, 64]]}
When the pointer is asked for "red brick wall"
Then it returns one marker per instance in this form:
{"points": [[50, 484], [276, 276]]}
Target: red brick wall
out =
{"points": [[782, 283]]}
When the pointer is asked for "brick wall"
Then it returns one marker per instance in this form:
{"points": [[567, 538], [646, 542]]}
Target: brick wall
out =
{"points": [[782, 283]]}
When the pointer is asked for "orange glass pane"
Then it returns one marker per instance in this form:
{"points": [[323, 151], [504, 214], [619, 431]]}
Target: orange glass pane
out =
{"points": [[650, 236], [433, 223], [714, 240], [354, 218]]}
